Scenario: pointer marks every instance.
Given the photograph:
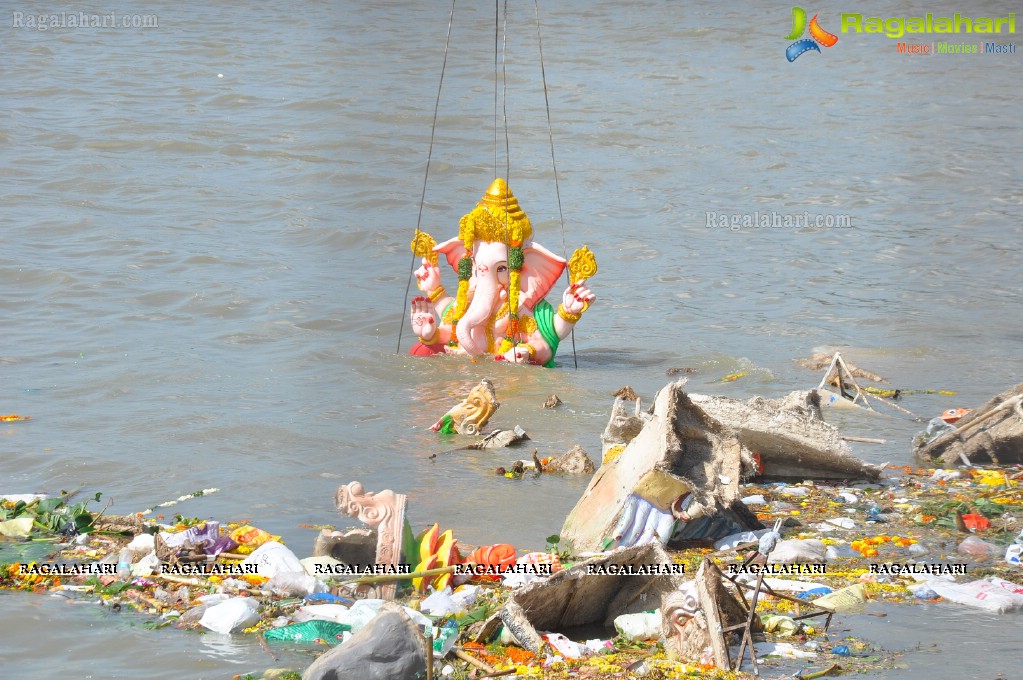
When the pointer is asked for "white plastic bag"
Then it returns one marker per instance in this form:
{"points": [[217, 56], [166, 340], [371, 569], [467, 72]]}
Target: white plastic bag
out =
{"points": [[1012, 553], [514, 579], [147, 566], [794, 490], [641, 626], [230, 616], [992, 594], [466, 596], [439, 603], [295, 584], [273, 557], [977, 547], [729, 542], [783, 649], [214, 598], [142, 544], [836, 523], [796, 550], [363, 611], [337, 613], [567, 648]]}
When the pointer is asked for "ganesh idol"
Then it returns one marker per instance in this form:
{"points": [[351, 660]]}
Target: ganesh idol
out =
{"points": [[499, 307]]}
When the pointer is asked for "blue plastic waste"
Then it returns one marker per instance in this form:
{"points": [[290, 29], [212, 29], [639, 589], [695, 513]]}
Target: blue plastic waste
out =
{"points": [[841, 650], [329, 598], [814, 593]]}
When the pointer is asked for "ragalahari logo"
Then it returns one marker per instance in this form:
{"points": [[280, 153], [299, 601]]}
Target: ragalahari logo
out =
{"points": [[818, 36]]}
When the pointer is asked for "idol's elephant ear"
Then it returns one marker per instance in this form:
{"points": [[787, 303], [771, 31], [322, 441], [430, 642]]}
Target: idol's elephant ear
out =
{"points": [[540, 271], [453, 250]]}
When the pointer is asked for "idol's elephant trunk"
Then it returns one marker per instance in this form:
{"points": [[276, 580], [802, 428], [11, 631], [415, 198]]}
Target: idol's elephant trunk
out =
{"points": [[472, 328]]}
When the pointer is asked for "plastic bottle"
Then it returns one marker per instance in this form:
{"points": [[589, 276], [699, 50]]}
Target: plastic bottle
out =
{"points": [[124, 565]]}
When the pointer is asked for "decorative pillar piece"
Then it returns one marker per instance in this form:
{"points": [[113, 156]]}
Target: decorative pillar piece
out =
{"points": [[383, 511]]}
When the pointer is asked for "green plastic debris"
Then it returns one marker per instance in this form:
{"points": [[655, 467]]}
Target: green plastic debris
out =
{"points": [[327, 632]]}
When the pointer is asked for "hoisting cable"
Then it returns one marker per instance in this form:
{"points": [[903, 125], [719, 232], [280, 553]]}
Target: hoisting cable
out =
{"points": [[554, 163], [426, 177], [497, 28], [513, 280], [504, 105]]}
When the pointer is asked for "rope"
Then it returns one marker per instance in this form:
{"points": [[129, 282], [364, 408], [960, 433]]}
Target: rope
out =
{"points": [[888, 403], [429, 157], [554, 163], [504, 103], [497, 23], [507, 147], [504, 115]]}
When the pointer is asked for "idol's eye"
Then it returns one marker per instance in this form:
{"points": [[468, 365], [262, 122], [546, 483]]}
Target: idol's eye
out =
{"points": [[502, 269]]}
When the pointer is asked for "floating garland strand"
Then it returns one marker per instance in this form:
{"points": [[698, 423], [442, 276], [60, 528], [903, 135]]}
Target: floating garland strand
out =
{"points": [[194, 494]]}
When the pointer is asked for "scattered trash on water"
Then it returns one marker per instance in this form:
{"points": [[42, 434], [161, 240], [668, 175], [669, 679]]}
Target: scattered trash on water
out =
{"points": [[625, 569]]}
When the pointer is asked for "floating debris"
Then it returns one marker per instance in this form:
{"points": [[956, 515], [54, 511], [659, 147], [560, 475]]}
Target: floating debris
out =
{"points": [[626, 393], [472, 413], [179, 499], [817, 362]]}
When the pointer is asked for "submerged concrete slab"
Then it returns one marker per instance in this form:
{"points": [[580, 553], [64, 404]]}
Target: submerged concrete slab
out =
{"points": [[594, 591], [789, 437], [682, 465]]}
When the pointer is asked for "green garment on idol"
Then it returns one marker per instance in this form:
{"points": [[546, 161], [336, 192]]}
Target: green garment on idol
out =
{"points": [[544, 315]]}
